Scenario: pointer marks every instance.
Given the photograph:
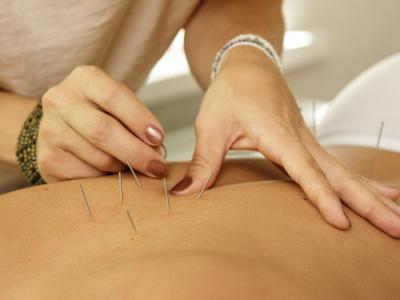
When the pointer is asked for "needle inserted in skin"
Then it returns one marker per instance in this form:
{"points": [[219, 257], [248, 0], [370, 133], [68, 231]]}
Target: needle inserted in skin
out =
{"points": [[167, 195], [204, 187], [131, 220], [133, 173], [378, 143], [121, 192], [86, 202]]}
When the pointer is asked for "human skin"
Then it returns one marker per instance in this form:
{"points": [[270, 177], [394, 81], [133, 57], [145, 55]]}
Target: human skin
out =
{"points": [[13, 112], [85, 129], [93, 124], [251, 236], [248, 105]]}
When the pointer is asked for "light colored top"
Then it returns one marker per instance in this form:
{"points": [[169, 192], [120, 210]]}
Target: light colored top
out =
{"points": [[42, 41]]}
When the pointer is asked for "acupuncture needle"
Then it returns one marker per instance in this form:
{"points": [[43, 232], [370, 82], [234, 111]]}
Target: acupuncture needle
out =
{"points": [[378, 142], [204, 187], [87, 203], [133, 173], [131, 220], [121, 192], [167, 195]]}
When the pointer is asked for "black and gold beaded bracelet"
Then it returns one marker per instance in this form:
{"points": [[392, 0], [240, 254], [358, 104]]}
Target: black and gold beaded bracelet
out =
{"points": [[26, 147]]}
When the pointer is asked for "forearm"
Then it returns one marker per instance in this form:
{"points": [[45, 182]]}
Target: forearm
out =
{"points": [[217, 21], [14, 110]]}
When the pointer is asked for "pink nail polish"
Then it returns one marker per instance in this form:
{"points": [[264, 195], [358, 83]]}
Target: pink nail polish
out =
{"points": [[157, 168], [154, 135]]}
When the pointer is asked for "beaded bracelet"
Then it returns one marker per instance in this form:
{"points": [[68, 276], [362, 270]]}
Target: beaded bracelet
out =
{"points": [[26, 147], [245, 40]]}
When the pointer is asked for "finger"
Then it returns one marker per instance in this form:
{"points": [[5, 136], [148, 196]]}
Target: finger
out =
{"points": [[392, 205], [390, 192], [86, 152], [388, 202], [356, 194], [118, 100], [109, 135], [303, 169], [57, 134], [206, 162], [366, 203], [353, 192], [59, 165]]}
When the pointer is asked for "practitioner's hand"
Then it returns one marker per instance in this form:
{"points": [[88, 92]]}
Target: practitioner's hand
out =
{"points": [[92, 125], [249, 106]]}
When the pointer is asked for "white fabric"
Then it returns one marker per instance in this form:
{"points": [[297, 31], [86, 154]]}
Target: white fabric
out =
{"points": [[355, 115], [42, 41]]}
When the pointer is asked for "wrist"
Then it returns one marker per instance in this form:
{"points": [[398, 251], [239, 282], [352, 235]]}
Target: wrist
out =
{"points": [[245, 56], [14, 110]]}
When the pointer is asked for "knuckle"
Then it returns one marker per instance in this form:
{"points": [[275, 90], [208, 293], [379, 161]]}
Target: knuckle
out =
{"points": [[53, 97], [140, 152], [46, 130], [84, 71], [320, 198], [394, 229], [282, 127], [370, 211], [346, 182], [319, 202], [99, 129], [106, 163], [46, 160], [199, 161], [109, 100]]}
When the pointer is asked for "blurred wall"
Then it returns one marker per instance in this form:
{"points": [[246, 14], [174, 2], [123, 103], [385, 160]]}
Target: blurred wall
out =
{"points": [[355, 34], [358, 33]]}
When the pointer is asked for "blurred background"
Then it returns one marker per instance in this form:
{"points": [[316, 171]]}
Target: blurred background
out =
{"points": [[328, 43]]}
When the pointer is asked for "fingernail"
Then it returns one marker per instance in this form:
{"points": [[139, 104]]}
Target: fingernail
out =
{"points": [[181, 185], [154, 135], [157, 168]]}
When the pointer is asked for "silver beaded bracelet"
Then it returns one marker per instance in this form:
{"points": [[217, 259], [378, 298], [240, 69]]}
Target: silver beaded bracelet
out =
{"points": [[245, 40]]}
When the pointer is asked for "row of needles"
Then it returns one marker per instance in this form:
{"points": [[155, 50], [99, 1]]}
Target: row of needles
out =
{"points": [[121, 194]]}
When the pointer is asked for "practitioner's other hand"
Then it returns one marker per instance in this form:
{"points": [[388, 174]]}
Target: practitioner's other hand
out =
{"points": [[249, 106], [93, 125]]}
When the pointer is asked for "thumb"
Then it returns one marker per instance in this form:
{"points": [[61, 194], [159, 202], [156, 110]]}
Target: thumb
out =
{"points": [[205, 165]]}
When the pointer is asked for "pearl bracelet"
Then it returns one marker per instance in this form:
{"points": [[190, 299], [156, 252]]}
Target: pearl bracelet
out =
{"points": [[245, 40]]}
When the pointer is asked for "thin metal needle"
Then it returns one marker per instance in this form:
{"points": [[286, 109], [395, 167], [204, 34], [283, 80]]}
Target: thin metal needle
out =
{"points": [[167, 195], [378, 143], [204, 187], [134, 173], [121, 192], [87, 203], [131, 220], [314, 122]]}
